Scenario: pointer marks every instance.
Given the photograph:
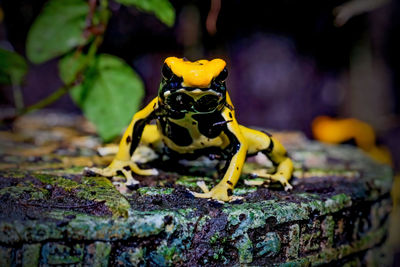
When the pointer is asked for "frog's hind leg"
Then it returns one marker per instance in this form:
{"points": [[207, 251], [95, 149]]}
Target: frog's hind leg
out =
{"points": [[262, 142]]}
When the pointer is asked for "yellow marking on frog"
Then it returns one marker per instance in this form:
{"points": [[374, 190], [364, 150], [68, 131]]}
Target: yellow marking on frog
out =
{"points": [[234, 141], [258, 142], [123, 152], [152, 137], [198, 74]]}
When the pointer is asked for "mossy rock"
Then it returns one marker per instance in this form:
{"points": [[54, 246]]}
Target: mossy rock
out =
{"points": [[336, 214]]}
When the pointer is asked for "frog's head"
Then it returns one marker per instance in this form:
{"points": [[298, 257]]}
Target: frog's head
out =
{"points": [[197, 87]]}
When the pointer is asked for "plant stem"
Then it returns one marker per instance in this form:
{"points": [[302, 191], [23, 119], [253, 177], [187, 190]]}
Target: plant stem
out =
{"points": [[46, 101], [17, 93], [66, 88]]}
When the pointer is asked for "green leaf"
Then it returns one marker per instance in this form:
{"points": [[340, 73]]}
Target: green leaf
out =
{"points": [[13, 67], [70, 65], [109, 96], [162, 9], [57, 29]]}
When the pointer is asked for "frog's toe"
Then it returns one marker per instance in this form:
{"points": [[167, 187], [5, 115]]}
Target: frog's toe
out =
{"points": [[206, 193], [144, 172], [219, 193], [130, 181], [288, 187], [214, 196], [210, 196], [203, 186], [107, 172], [264, 179], [201, 195], [283, 180]]}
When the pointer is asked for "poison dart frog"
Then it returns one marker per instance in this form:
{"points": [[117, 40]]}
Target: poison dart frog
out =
{"points": [[194, 116]]}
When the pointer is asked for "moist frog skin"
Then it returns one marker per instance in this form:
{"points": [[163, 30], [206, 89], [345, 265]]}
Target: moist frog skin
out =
{"points": [[194, 117]]}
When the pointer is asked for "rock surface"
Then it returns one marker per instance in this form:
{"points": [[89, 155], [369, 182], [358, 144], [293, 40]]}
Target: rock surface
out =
{"points": [[51, 214]]}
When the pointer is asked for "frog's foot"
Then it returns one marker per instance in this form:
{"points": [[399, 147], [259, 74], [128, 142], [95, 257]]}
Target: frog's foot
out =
{"points": [[111, 172], [264, 179], [220, 193], [124, 167], [260, 178]]}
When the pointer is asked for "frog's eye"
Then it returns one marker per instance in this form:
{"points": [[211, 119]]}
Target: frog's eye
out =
{"points": [[167, 72], [222, 76], [179, 102]]}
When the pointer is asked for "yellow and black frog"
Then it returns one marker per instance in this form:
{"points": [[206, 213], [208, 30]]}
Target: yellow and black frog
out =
{"points": [[194, 116]]}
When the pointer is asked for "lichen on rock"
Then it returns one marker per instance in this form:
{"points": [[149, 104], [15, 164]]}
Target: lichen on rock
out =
{"points": [[53, 214]]}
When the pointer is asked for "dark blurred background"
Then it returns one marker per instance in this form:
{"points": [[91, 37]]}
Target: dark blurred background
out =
{"points": [[288, 61]]}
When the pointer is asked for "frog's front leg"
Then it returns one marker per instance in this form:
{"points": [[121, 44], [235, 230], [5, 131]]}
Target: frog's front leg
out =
{"points": [[224, 189], [262, 142], [122, 162], [238, 149]]}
